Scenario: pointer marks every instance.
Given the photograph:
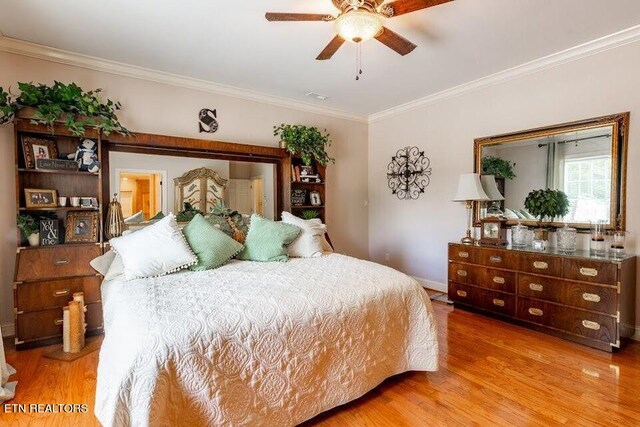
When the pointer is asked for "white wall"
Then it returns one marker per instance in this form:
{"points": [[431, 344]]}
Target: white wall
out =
{"points": [[416, 233], [164, 109]]}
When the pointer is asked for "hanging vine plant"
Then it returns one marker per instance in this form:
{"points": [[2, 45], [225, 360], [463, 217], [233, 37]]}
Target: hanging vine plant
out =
{"points": [[67, 103]]}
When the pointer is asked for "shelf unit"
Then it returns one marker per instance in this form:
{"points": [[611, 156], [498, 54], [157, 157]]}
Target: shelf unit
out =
{"points": [[308, 187], [47, 276]]}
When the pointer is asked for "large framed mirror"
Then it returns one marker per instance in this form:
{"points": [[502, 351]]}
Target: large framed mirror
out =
{"points": [[586, 160]]}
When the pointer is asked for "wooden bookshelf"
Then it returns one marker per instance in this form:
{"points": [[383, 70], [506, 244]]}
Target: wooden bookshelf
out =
{"points": [[307, 187]]}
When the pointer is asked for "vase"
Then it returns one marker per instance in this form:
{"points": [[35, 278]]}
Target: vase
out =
{"points": [[283, 144], [34, 239]]}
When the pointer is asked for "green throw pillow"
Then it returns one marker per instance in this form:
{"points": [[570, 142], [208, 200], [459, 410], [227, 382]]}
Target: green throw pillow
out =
{"points": [[268, 240], [212, 247]]}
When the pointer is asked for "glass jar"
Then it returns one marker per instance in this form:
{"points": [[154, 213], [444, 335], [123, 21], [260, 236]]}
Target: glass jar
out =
{"points": [[519, 235], [597, 243], [618, 238], [567, 239]]}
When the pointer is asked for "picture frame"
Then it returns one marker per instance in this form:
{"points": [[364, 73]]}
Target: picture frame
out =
{"points": [[314, 198], [82, 227], [36, 198], [298, 197], [38, 148], [49, 232]]}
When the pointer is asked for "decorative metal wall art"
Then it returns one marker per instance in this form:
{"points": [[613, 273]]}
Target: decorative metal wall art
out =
{"points": [[208, 120], [409, 173]]}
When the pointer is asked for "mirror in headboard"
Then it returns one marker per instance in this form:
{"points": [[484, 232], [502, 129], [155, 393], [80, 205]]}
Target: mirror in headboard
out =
{"points": [[152, 183], [584, 159]]}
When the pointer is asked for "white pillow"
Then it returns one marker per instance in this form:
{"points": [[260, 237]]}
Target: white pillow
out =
{"points": [[102, 263], [136, 218], [156, 250], [309, 242]]}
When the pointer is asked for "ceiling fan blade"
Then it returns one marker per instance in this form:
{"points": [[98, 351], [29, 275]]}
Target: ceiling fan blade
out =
{"points": [[271, 16], [395, 41], [400, 7], [331, 48]]}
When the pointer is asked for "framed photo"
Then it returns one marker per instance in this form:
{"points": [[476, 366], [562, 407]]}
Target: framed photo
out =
{"points": [[314, 198], [306, 170], [38, 198], [82, 227], [38, 148]]}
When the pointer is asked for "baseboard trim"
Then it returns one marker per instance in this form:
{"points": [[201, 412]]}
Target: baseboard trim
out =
{"points": [[632, 331], [8, 330], [429, 284]]}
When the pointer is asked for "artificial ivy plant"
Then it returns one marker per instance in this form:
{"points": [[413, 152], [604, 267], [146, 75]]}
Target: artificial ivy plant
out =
{"points": [[500, 168], [308, 142], [67, 102], [547, 204]]}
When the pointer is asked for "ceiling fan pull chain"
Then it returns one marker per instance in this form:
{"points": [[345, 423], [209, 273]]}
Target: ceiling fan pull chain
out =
{"points": [[358, 60]]}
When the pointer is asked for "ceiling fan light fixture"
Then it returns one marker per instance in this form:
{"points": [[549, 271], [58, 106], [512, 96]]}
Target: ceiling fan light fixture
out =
{"points": [[357, 27]]}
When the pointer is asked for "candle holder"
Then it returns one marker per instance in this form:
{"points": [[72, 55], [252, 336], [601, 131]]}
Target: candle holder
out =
{"points": [[598, 246], [567, 239], [618, 238]]}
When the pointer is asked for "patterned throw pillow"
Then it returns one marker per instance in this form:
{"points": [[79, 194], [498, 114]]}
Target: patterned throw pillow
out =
{"points": [[268, 240], [212, 247]]}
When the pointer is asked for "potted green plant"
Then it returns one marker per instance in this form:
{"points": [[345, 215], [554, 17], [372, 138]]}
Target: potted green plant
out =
{"points": [[546, 204], [310, 214], [65, 103], [30, 228], [308, 142], [500, 168]]}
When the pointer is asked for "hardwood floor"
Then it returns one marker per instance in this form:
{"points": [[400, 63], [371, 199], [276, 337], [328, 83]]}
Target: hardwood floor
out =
{"points": [[491, 373]]}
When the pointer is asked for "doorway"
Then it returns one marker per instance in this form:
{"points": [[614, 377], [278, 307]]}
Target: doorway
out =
{"points": [[141, 191]]}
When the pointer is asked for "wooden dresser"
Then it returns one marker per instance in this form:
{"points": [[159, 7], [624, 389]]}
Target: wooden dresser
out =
{"points": [[574, 296], [47, 276]]}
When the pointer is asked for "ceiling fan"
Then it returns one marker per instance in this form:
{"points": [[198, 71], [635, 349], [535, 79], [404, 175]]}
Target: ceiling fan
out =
{"points": [[362, 20]]}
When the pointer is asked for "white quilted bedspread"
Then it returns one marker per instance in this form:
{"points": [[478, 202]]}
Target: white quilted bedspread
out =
{"points": [[252, 343]]}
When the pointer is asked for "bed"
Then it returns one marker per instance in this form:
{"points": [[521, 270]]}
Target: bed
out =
{"points": [[257, 343]]}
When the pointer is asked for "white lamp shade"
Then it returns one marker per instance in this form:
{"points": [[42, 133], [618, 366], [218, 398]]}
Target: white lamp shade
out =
{"points": [[491, 187], [470, 188]]}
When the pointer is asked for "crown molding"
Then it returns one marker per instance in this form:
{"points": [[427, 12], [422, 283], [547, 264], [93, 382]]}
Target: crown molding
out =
{"points": [[612, 41], [19, 47]]}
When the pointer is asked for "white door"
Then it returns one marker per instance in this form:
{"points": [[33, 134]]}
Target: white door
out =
{"points": [[240, 195]]}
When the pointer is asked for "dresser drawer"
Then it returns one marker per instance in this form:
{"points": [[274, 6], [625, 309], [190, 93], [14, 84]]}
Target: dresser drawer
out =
{"points": [[579, 295], [463, 253], [499, 259], [579, 322], [463, 273], [55, 262], [498, 280], [48, 323], [590, 271], [35, 296], [541, 264], [496, 302]]}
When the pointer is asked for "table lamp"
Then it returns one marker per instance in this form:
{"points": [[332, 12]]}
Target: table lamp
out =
{"points": [[491, 188], [470, 190]]}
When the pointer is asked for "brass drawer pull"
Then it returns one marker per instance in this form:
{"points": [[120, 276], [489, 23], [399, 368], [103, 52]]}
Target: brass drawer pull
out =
{"points": [[499, 280], [536, 311], [591, 297], [536, 287], [463, 254], [590, 272], [61, 262], [61, 293], [498, 302], [591, 325], [540, 265], [495, 259], [462, 273], [57, 322], [462, 294]]}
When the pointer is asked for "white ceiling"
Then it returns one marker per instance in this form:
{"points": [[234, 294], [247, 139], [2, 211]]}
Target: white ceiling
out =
{"points": [[231, 43]]}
